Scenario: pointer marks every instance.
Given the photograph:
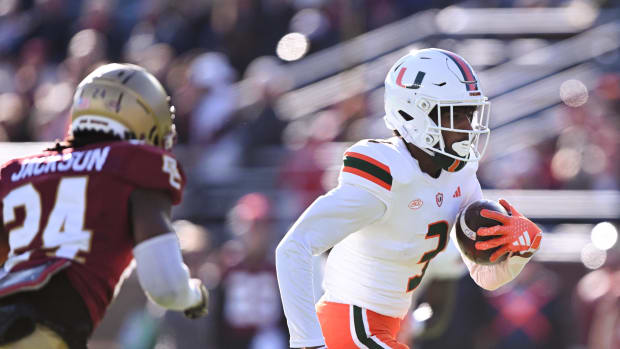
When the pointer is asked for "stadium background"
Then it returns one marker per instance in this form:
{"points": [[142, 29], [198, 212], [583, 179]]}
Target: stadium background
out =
{"points": [[268, 95]]}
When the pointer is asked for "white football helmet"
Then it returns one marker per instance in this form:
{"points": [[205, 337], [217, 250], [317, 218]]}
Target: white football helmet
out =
{"points": [[429, 78]]}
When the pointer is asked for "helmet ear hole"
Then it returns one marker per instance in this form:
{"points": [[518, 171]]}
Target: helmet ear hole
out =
{"points": [[405, 116], [430, 140]]}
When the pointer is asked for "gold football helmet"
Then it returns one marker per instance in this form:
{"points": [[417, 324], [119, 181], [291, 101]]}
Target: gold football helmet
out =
{"points": [[126, 100]]}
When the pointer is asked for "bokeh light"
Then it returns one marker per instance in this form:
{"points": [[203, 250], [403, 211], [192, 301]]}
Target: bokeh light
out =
{"points": [[54, 98], [566, 163], [573, 93], [309, 22], [593, 285], [594, 160], [604, 235], [83, 43], [581, 14], [592, 257], [423, 312], [452, 19], [292, 47]]}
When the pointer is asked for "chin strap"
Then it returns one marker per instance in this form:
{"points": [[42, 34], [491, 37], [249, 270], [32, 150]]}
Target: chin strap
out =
{"points": [[447, 163]]}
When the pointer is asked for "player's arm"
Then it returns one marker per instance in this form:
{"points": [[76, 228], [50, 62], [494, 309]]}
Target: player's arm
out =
{"points": [[517, 236], [4, 240], [327, 221], [161, 271], [491, 277]]}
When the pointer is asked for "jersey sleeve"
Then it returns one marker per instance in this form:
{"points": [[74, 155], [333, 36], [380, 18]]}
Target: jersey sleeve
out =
{"points": [[3, 239], [1, 208], [149, 167], [331, 218], [492, 277], [364, 166]]}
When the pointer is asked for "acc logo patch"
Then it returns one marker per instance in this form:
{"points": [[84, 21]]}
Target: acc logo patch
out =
{"points": [[439, 199], [415, 204]]}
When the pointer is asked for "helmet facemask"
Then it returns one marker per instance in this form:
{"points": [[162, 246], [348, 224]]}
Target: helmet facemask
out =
{"points": [[470, 149]]}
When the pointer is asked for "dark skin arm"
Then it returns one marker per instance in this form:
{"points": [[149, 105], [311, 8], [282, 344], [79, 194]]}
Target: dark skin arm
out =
{"points": [[150, 214]]}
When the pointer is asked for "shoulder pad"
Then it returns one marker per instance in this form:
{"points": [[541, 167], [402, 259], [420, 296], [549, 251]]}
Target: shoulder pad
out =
{"points": [[394, 154], [365, 165], [147, 167]]}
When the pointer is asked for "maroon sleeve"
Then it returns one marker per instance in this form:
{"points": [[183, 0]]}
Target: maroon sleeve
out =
{"points": [[1, 206], [4, 239], [148, 167]]}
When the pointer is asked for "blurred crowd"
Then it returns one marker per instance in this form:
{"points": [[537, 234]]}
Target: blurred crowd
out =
{"points": [[196, 48], [251, 170], [584, 154]]}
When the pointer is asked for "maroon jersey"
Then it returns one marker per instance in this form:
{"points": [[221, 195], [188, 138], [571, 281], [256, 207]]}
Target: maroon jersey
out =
{"points": [[74, 206]]}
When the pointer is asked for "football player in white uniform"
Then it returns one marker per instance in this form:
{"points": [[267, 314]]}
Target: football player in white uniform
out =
{"points": [[391, 213]]}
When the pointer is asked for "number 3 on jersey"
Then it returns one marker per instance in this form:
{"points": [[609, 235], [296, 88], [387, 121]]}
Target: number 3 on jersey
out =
{"points": [[65, 226], [438, 229]]}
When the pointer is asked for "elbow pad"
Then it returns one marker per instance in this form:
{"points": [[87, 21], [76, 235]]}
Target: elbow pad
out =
{"points": [[163, 275]]}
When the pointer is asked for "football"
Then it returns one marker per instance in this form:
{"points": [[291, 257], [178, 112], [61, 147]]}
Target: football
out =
{"points": [[467, 223]]}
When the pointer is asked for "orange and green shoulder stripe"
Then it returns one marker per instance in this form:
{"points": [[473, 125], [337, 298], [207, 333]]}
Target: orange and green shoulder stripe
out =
{"points": [[368, 168]]}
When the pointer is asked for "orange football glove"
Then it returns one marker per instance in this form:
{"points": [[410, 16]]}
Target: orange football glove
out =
{"points": [[516, 233]]}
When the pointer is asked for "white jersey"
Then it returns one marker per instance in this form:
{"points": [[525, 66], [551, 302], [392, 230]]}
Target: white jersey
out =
{"points": [[386, 221], [379, 265]]}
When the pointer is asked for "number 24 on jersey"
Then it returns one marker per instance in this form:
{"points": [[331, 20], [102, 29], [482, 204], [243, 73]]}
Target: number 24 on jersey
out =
{"points": [[64, 230]]}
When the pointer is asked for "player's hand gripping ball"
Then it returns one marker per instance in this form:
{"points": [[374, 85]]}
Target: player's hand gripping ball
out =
{"points": [[468, 221]]}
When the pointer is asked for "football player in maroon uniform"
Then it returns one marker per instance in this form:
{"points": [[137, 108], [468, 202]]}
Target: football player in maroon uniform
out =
{"points": [[73, 218]]}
